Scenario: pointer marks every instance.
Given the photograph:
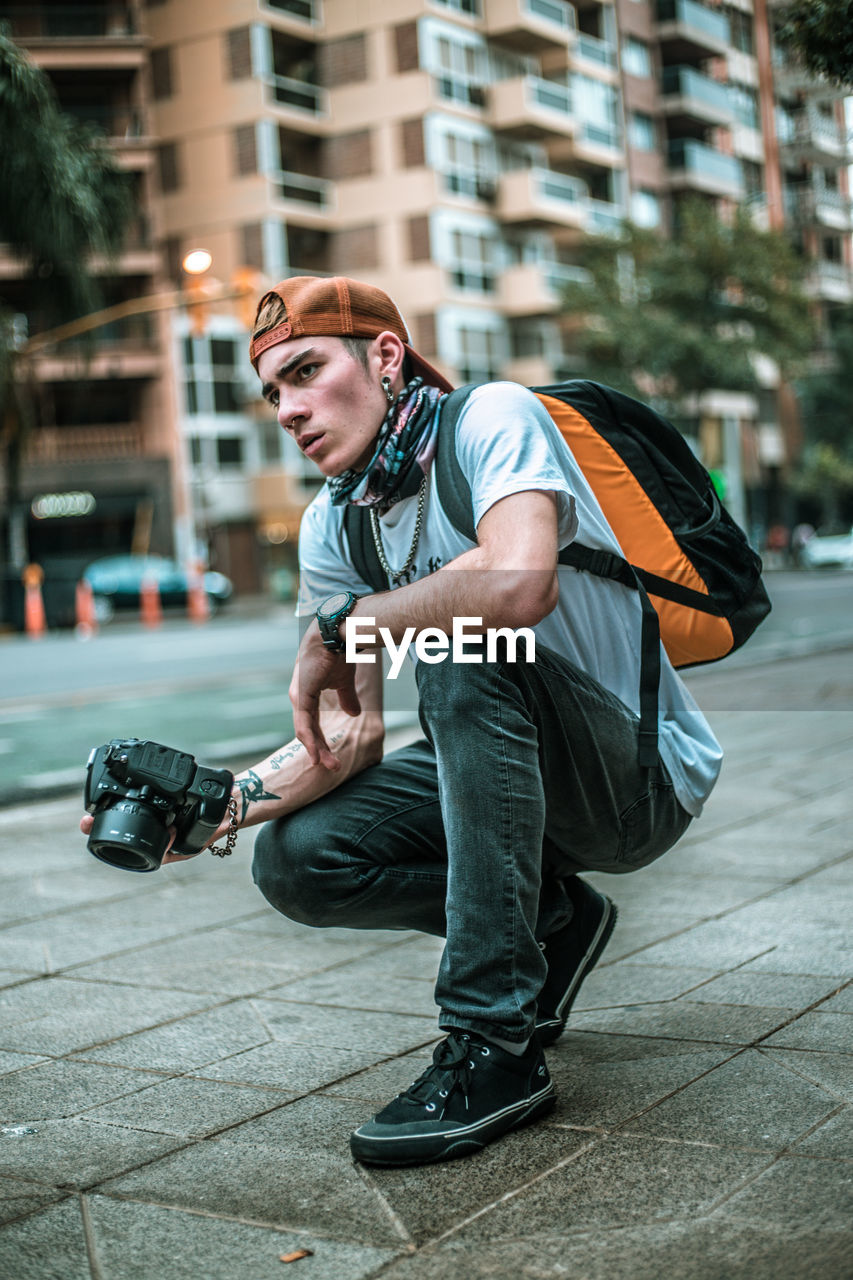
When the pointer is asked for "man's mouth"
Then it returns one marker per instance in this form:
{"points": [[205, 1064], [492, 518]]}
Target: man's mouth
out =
{"points": [[308, 443]]}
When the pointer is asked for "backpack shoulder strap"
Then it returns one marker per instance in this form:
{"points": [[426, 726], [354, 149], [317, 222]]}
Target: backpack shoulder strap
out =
{"points": [[453, 488], [362, 551]]}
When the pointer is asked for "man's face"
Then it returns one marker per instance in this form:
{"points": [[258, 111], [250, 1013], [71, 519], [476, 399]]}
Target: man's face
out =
{"points": [[326, 399]]}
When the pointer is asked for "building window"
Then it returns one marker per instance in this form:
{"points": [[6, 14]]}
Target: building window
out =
{"points": [[229, 451], [479, 354], [245, 150], [460, 71], [252, 245], [645, 209], [238, 53], [741, 29], [169, 166], [473, 261], [641, 131], [211, 378], [468, 166], [744, 103], [471, 7], [636, 59], [162, 80]]}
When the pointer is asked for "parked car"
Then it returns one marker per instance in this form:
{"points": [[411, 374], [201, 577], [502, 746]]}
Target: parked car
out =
{"points": [[828, 551], [116, 583]]}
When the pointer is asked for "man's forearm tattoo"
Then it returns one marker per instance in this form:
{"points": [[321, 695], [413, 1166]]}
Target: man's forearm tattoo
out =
{"points": [[252, 791], [286, 753]]}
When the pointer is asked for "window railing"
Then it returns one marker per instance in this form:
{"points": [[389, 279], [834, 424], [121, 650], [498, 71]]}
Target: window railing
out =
{"points": [[68, 22], [690, 14], [601, 134], [592, 49], [559, 274], [300, 95]]}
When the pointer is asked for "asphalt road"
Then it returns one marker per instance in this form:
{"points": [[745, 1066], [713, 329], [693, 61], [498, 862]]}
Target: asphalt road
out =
{"points": [[220, 691]]}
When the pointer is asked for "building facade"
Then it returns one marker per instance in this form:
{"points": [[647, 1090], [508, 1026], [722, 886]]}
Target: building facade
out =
{"points": [[457, 153], [101, 470]]}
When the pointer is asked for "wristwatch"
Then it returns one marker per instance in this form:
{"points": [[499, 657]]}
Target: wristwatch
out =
{"points": [[331, 614]]}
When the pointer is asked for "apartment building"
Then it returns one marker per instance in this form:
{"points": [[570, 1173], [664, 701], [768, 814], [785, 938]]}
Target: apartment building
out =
{"points": [[101, 468], [457, 153]]}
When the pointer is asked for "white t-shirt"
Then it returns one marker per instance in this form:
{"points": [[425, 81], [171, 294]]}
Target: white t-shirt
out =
{"points": [[507, 443]]}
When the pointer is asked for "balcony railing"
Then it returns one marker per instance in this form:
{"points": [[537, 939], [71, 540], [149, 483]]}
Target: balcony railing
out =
{"points": [[84, 444], [605, 219], [68, 22], [559, 274], [591, 49], [115, 122], [705, 162], [304, 10], [561, 187], [696, 16], [600, 134], [315, 193], [549, 94], [562, 15], [684, 82], [300, 95]]}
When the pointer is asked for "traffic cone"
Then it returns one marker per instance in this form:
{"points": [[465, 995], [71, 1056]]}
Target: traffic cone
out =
{"points": [[198, 605], [150, 609], [84, 608], [35, 623]]}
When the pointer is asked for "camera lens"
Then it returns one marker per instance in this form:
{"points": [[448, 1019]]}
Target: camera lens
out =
{"points": [[129, 835]]}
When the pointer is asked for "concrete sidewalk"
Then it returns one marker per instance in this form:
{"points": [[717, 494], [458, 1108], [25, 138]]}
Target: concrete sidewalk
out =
{"points": [[181, 1067]]}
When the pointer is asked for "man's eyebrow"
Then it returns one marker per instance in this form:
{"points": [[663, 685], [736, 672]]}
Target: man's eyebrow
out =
{"points": [[285, 369]]}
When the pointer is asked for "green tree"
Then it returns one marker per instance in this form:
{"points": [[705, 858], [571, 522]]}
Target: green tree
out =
{"points": [[826, 468], [666, 317], [820, 34], [62, 200]]}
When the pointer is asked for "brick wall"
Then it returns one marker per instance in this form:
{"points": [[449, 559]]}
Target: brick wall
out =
{"points": [[349, 155], [343, 61], [411, 140], [354, 249]]}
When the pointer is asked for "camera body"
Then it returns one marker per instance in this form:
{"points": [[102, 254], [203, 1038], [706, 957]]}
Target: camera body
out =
{"points": [[137, 790]]}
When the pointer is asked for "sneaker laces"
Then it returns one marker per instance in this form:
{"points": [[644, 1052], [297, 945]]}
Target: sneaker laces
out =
{"points": [[450, 1071]]}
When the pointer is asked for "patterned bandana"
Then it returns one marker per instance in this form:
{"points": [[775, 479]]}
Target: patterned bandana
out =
{"points": [[405, 448]]}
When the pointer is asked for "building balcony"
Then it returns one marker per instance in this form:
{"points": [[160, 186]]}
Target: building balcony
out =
{"points": [[84, 444], [529, 107], [306, 105], [122, 125], [695, 98], [604, 218], [829, 282], [594, 56], [820, 207], [689, 31], [530, 26], [536, 288], [696, 166], [76, 22], [303, 193], [541, 197], [593, 142], [816, 138]]}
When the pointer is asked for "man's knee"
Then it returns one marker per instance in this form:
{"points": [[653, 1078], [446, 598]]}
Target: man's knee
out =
{"points": [[285, 869]]}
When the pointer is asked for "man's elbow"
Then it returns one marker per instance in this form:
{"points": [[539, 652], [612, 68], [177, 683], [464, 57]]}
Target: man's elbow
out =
{"points": [[527, 596]]}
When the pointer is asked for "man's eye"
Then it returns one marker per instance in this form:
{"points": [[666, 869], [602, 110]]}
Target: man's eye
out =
{"points": [[306, 370], [273, 399]]}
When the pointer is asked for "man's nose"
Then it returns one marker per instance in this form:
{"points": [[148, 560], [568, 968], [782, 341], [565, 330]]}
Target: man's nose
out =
{"points": [[288, 412]]}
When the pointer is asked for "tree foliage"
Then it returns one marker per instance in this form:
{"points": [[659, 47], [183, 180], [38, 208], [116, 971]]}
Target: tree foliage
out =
{"points": [[824, 394], [820, 34], [665, 317], [62, 196]]}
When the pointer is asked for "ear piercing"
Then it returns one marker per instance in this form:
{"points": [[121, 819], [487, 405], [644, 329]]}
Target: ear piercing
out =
{"points": [[385, 383]]}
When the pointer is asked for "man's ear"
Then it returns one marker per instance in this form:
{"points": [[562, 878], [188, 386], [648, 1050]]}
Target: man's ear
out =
{"points": [[388, 352]]}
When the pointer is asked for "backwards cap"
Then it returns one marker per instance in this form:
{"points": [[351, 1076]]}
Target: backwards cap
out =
{"points": [[336, 307]]}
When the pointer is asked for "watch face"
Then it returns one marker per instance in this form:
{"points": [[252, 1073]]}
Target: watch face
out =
{"points": [[334, 603]]}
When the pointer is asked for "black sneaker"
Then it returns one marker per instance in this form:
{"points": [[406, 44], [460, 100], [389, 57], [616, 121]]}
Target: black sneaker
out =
{"points": [[571, 953], [473, 1092]]}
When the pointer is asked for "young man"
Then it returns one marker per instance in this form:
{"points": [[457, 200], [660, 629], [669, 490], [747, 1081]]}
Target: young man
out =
{"points": [[527, 772]]}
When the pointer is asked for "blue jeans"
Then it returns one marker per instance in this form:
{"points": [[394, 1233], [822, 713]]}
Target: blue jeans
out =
{"points": [[527, 775]]}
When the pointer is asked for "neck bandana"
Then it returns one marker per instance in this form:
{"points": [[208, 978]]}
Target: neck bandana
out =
{"points": [[405, 448]]}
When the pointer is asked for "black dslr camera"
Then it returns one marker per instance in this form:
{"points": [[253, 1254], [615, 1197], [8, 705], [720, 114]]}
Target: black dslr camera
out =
{"points": [[138, 790]]}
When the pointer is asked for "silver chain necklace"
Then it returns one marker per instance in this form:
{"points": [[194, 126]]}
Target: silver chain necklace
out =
{"points": [[393, 575]]}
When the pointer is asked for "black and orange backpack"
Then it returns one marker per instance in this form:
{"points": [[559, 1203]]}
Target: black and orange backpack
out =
{"points": [[698, 579]]}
